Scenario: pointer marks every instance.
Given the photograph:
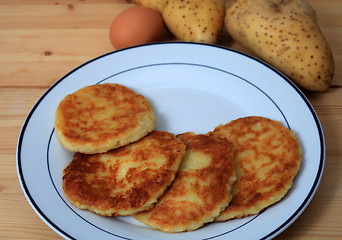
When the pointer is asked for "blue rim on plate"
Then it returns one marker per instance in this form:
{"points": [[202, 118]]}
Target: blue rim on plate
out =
{"points": [[282, 226]]}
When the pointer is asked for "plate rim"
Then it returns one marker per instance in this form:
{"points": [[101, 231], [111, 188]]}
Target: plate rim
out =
{"points": [[270, 235]]}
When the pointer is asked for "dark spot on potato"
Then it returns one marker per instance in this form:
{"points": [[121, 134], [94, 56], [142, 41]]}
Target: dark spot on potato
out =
{"points": [[276, 7]]}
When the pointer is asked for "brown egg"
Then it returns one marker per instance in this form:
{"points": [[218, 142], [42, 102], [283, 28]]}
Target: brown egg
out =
{"points": [[136, 25]]}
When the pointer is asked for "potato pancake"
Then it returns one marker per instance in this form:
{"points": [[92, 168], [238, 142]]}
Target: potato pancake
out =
{"points": [[126, 180], [102, 117], [267, 158], [201, 189]]}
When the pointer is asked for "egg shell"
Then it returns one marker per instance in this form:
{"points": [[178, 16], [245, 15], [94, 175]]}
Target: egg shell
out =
{"points": [[135, 26]]}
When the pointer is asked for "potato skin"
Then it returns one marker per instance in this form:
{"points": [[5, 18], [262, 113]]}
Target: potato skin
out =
{"points": [[155, 4], [284, 33], [195, 20]]}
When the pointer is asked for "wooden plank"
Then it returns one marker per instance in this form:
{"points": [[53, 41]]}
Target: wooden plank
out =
{"points": [[18, 102], [84, 32], [41, 40], [65, 16], [47, 59], [57, 2], [309, 225]]}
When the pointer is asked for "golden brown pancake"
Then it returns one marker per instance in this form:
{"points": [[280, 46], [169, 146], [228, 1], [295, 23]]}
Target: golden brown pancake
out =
{"points": [[267, 157], [126, 180], [201, 190], [102, 117]]}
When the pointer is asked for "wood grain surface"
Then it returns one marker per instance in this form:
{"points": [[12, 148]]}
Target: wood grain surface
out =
{"points": [[41, 40]]}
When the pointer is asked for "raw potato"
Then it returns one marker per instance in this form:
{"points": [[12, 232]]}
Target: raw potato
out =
{"points": [[155, 4], [284, 33], [195, 20]]}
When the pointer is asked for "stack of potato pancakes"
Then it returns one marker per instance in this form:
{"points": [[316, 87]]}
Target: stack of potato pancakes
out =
{"points": [[123, 166]]}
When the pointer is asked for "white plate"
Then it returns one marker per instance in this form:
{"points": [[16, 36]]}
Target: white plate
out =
{"points": [[192, 87]]}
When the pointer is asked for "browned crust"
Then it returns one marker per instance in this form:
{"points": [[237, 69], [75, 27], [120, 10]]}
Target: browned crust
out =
{"points": [[267, 156], [210, 186], [93, 183], [101, 117]]}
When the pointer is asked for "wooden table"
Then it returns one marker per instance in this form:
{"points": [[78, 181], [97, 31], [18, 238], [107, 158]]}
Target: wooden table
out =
{"points": [[41, 40]]}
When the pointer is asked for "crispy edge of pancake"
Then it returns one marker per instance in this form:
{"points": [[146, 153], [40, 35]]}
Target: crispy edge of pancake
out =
{"points": [[134, 125], [146, 189], [179, 211], [236, 208]]}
